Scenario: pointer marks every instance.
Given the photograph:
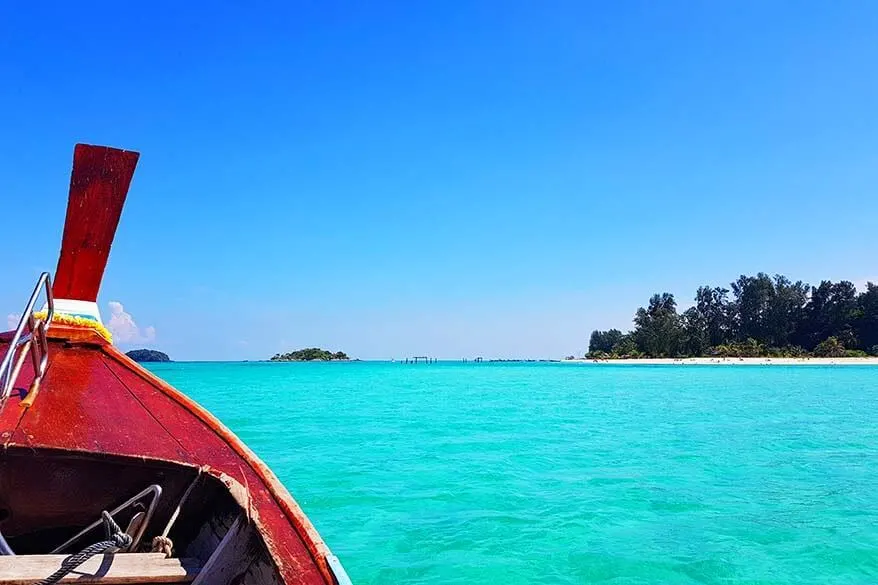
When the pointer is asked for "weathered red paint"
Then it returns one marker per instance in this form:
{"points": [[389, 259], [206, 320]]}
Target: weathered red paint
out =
{"points": [[83, 418], [98, 187], [94, 399]]}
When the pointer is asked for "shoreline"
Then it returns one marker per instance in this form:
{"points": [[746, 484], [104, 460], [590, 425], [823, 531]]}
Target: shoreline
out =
{"points": [[707, 361]]}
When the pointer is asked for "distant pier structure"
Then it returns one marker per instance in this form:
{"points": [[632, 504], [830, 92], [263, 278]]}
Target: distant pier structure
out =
{"points": [[420, 359]]}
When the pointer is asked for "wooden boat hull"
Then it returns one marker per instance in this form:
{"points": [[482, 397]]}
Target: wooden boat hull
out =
{"points": [[102, 425]]}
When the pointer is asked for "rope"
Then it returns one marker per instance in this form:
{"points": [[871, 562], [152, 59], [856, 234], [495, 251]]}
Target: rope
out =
{"points": [[115, 539], [162, 544]]}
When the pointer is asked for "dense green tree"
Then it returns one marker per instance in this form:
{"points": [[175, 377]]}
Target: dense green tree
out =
{"points": [[752, 298], [866, 324], [767, 309], [833, 311], [596, 342], [603, 341], [696, 337], [713, 313], [785, 311], [767, 316], [627, 347], [658, 328], [830, 347], [748, 348]]}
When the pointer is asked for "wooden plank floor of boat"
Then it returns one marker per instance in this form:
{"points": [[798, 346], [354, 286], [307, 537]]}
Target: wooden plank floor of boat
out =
{"points": [[107, 569]]}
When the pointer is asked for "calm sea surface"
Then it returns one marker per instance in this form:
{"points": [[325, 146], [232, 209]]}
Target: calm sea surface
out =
{"points": [[557, 473]]}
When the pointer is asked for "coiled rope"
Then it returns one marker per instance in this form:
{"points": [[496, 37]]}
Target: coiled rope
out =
{"points": [[115, 539]]}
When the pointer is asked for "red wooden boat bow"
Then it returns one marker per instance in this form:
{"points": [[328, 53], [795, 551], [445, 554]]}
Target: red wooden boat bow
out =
{"points": [[84, 430]]}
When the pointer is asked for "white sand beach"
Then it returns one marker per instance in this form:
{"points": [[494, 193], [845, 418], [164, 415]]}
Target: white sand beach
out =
{"points": [[707, 361]]}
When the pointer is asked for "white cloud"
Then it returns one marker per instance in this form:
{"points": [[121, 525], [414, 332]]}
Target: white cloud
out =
{"points": [[123, 327], [12, 321]]}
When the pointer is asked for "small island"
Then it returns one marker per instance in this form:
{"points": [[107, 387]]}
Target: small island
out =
{"points": [[148, 355], [311, 354]]}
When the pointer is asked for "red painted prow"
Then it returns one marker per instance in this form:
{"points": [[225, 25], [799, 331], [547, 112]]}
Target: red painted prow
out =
{"points": [[98, 187]]}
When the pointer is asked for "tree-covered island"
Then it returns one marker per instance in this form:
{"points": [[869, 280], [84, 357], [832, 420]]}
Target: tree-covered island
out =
{"points": [[311, 354], [762, 317], [148, 355]]}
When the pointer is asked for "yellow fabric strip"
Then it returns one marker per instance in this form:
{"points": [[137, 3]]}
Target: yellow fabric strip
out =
{"points": [[77, 321]]}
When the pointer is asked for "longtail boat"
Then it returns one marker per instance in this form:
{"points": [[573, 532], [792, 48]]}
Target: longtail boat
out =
{"points": [[107, 473]]}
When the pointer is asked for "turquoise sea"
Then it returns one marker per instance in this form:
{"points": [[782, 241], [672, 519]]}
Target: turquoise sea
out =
{"points": [[559, 473]]}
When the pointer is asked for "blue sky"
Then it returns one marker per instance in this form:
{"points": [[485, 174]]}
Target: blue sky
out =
{"points": [[451, 179]]}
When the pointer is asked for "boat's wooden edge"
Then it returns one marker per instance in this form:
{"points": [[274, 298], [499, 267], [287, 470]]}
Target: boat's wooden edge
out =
{"points": [[86, 337], [105, 569], [309, 535]]}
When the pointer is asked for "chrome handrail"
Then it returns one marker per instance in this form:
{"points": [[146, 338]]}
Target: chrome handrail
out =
{"points": [[154, 490], [34, 342]]}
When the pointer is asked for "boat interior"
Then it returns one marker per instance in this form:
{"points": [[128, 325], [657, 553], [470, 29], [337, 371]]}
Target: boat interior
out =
{"points": [[185, 525]]}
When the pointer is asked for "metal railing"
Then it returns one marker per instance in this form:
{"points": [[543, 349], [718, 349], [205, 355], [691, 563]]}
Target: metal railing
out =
{"points": [[137, 524], [33, 343]]}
